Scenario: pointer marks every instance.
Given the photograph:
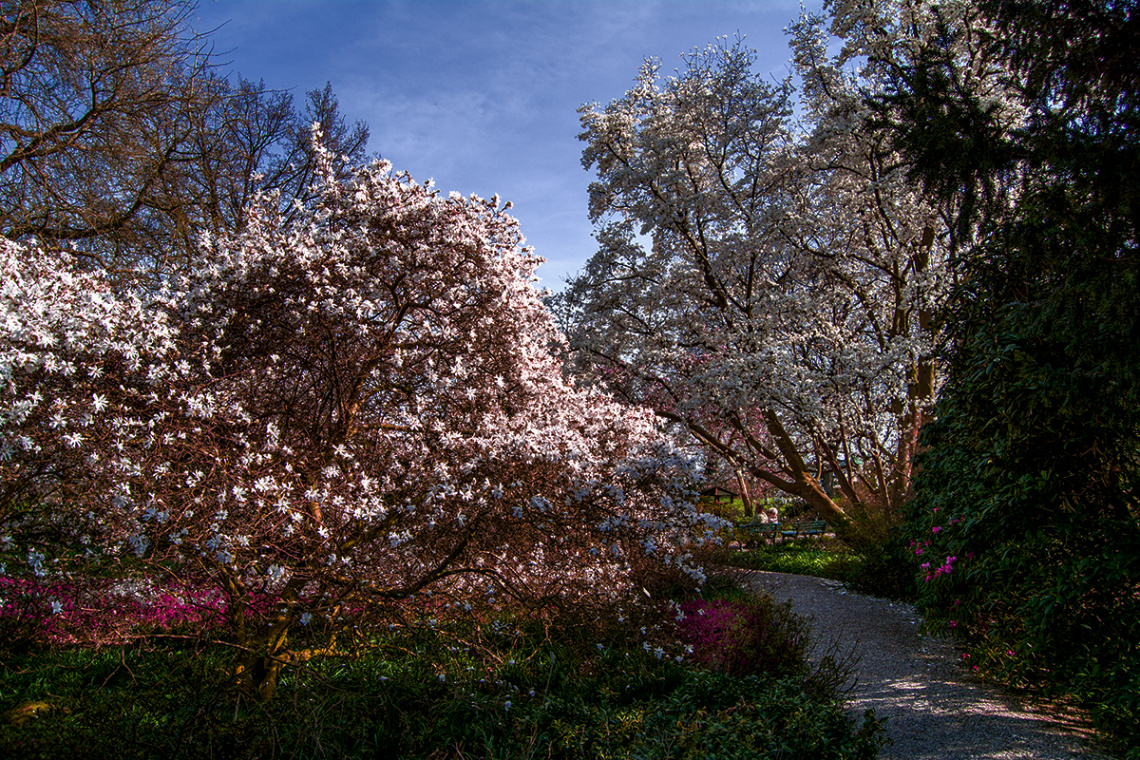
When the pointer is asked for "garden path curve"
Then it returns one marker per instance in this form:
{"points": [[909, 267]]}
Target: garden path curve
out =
{"points": [[933, 709]]}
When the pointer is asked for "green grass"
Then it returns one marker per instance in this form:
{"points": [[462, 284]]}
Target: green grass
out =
{"points": [[518, 693], [819, 558], [877, 570]]}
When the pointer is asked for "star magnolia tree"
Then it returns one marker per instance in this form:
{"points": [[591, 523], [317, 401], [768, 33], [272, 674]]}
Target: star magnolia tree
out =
{"points": [[330, 422], [767, 277]]}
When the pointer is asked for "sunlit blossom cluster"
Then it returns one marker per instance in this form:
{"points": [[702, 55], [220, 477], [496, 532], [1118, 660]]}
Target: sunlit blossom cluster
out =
{"points": [[768, 275], [344, 409]]}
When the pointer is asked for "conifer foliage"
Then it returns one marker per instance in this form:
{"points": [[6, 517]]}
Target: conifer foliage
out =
{"points": [[1027, 520]]}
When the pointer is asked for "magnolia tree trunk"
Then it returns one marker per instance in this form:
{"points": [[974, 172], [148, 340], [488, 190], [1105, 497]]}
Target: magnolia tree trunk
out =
{"points": [[257, 669], [745, 495]]}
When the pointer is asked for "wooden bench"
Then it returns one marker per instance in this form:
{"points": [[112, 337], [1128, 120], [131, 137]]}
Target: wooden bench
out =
{"points": [[806, 528], [763, 531]]}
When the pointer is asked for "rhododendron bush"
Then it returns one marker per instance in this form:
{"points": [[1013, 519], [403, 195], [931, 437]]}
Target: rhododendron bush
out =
{"points": [[325, 421]]}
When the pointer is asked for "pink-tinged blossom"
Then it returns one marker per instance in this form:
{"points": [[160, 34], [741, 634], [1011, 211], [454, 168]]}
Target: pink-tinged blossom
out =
{"points": [[342, 410], [765, 278]]}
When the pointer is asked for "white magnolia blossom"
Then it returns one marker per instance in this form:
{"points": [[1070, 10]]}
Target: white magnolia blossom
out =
{"points": [[767, 277], [342, 410]]}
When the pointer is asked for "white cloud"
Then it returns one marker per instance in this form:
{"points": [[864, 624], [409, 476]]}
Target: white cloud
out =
{"points": [[482, 95]]}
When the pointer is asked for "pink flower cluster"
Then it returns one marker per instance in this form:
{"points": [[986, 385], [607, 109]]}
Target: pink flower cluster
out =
{"points": [[735, 637], [104, 613], [944, 569]]}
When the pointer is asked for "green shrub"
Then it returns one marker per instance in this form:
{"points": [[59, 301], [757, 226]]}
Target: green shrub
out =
{"points": [[497, 692], [882, 569], [824, 558], [713, 715], [1026, 521], [1024, 530], [744, 637]]}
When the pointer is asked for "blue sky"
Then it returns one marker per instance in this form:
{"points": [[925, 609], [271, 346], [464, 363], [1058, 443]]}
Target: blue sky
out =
{"points": [[482, 95]]}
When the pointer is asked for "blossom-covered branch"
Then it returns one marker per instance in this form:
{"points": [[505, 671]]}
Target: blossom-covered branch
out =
{"points": [[331, 413]]}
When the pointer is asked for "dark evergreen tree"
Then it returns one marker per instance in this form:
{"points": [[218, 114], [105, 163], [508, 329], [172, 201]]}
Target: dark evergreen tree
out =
{"points": [[1027, 520]]}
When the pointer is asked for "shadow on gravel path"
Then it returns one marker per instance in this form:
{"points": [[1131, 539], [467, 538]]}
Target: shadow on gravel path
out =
{"points": [[933, 709]]}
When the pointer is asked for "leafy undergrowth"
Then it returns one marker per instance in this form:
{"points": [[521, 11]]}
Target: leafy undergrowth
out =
{"points": [[818, 558], [879, 570], [715, 678]]}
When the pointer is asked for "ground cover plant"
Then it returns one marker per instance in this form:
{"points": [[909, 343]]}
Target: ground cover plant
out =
{"points": [[878, 568], [806, 557], [881, 570], [718, 676]]}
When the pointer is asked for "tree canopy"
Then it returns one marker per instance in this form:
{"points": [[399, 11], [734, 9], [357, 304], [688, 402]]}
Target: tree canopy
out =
{"points": [[767, 275], [118, 131]]}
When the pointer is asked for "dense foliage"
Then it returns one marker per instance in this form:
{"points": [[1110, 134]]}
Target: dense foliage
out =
{"points": [[492, 690], [1027, 521]]}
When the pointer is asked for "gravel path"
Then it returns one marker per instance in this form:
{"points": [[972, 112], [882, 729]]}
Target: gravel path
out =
{"points": [[933, 709]]}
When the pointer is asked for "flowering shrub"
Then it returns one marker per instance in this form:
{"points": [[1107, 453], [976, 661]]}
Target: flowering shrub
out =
{"points": [[105, 612], [346, 412], [746, 637]]}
